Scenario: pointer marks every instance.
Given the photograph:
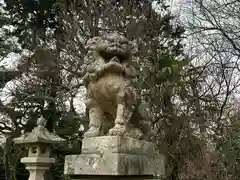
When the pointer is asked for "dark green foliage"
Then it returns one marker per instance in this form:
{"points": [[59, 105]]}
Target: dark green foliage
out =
{"points": [[2, 170], [7, 45], [229, 146], [21, 172], [31, 19]]}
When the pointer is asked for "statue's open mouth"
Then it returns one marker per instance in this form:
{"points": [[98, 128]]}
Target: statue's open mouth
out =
{"points": [[107, 56]]}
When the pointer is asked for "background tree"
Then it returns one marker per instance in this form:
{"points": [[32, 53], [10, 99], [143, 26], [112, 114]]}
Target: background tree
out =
{"points": [[212, 31]]}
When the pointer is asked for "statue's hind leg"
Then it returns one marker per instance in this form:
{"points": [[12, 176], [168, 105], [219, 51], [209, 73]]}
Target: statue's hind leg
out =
{"points": [[121, 121], [126, 100]]}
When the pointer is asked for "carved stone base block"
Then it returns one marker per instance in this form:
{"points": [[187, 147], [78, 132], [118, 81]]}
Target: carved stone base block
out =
{"points": [[112, 156], [37, 166]]}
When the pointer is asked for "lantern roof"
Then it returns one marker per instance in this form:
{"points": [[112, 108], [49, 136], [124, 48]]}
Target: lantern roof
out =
{"points": [[39, 134]]}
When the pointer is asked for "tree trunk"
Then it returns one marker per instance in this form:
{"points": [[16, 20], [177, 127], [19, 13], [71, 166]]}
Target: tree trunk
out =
{"points": [[6, 158]]}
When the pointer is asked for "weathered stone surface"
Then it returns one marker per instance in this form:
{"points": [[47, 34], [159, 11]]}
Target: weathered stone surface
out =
{"points": [[39, 141], [112, 99], [102, 177], [109, 164], [38, 161], [37, 166], [116, 144], [112, 155], [39, 135]]}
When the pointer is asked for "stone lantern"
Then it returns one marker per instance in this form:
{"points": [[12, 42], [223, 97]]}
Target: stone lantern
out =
{"points": [[39, 142]]}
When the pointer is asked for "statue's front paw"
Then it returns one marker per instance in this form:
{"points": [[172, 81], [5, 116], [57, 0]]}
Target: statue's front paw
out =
{"points": [[117, 130], [92, 132]]}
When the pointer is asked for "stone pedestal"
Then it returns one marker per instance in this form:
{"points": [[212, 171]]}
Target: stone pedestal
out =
{"points": [[112, 157], [37, 166]]}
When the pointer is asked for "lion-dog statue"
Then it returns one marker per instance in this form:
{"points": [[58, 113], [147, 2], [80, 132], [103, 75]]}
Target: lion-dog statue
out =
{"points": [[113, 106]]}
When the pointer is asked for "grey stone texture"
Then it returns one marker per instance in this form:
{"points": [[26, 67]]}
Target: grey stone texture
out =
{"points": [[113, 102], [115, 178], [112, 155], [116, 145], [39, 135], [39, 148]]}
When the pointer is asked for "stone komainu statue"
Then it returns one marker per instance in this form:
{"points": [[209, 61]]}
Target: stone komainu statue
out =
{"points": [[113, 106]]}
